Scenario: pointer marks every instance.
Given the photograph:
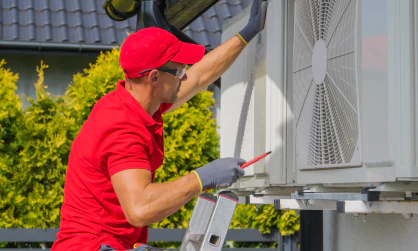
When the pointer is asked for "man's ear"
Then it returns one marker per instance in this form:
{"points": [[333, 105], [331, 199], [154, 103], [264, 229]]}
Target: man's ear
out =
{"points": [[153, 77]]}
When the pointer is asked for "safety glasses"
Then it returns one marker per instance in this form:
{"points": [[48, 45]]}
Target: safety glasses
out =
{"points": [[176, 72]]}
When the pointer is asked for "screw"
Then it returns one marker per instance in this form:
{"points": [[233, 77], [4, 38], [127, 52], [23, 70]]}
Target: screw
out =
{"points": [[256, 207], [364, 218]]}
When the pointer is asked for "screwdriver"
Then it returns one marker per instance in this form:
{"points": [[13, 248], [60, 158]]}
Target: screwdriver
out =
{"points": [[255, 160]]}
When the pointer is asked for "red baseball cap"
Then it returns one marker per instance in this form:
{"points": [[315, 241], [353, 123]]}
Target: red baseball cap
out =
{"points": [[153, 47]]}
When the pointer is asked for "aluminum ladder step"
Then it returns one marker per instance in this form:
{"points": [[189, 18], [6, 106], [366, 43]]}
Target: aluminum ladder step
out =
{"points": [[210, 222]]}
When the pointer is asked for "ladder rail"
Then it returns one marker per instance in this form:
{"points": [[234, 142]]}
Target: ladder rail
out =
{"points": [[198, 222], [210, 222]]}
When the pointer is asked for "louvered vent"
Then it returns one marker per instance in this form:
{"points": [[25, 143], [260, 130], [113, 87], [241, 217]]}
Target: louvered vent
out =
{"points": [[324, 83]]}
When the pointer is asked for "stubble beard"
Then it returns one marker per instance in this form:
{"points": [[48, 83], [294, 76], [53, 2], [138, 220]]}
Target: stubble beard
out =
{"points": [[174, 96]]}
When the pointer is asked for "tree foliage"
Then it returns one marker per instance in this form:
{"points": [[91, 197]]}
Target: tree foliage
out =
{"points": [[33, 167]]}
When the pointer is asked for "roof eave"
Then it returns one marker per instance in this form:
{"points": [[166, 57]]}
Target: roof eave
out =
{"points": [[183, 12], [50, 46]]}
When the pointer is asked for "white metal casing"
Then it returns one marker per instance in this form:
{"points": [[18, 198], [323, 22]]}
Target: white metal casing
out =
{"points": [[257, 113]]}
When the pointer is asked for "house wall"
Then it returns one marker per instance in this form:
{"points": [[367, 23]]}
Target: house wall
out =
{"points": [[57, 77], [379, 232]]}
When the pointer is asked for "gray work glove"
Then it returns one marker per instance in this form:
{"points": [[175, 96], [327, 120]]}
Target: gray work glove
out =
{"points": [[220, 173], [256, 22]]}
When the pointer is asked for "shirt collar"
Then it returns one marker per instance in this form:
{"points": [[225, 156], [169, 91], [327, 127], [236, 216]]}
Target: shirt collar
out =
{"points": [[134, 105]]}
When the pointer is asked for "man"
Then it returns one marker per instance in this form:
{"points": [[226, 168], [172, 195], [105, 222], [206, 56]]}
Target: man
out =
{"points": [[109, 194]]}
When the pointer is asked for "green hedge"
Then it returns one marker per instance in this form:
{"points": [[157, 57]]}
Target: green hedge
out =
{"points": [[35, 143], [33, 166]]}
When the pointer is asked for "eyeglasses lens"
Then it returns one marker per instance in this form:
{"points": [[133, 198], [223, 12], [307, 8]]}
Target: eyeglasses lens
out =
{"points": [[181, 72]]}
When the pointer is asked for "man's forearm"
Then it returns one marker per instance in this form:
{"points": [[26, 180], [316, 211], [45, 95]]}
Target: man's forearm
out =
{"points": [[163, 199], [216, 62]]}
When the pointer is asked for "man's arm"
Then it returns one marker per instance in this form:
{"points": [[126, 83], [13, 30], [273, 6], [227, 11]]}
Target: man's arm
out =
{"points": [[209, 69], [216, 62], [144, 202]]}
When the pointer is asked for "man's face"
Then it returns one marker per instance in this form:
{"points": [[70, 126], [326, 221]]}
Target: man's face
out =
{"points": [[171, 84]]}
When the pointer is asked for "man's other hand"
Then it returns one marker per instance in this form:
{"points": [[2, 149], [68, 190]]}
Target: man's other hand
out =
{"points": [[256, 22]]}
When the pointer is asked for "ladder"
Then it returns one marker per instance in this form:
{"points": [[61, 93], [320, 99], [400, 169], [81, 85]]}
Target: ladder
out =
{"points": [[210, 221]]}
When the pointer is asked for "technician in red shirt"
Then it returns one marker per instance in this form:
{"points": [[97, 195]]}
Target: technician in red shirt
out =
{"points": [[109, 194]]}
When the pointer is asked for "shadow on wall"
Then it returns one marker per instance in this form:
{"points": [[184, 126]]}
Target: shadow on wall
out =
{"points": [[243, 117]]}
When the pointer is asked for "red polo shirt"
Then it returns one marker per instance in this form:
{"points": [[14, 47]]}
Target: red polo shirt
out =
{"points": [[118, 135]]}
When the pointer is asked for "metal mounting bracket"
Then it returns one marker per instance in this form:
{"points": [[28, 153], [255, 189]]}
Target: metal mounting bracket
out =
{"points": [[366, 202], [365, 195]]}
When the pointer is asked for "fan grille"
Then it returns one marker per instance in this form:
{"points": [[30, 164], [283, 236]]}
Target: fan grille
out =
{"points": [[326, 110]]}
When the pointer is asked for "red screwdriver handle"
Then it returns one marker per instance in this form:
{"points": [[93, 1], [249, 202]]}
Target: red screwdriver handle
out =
{"points": [[254, 160]]}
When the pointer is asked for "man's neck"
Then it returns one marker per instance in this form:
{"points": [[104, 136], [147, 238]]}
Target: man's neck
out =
{"points": [[144, 95]]}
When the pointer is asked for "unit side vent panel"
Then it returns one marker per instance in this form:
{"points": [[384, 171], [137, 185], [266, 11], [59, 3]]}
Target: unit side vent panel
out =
{"points": [[325, 88]]}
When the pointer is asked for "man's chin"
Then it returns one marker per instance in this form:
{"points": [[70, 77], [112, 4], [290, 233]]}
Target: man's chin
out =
{"points": [[173, 100]]}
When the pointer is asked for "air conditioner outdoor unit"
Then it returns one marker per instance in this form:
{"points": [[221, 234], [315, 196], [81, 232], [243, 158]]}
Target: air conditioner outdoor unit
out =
{"points": [[330, 86]]}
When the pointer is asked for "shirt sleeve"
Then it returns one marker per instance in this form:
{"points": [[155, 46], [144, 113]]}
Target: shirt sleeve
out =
{"points": [[126, 149]]}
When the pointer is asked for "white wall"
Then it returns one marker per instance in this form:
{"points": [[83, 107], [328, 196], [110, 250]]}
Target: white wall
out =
{"points": [[380, 232]]}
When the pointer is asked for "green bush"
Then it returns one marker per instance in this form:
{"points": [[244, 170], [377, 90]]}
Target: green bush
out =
{"points": [[33, 168], [35, 144], [9, 115], [10, 107], [265, 219]]}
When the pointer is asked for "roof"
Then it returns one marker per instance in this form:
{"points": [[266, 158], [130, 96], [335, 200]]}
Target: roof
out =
{"points": [[207, 29], [75, 22]]}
